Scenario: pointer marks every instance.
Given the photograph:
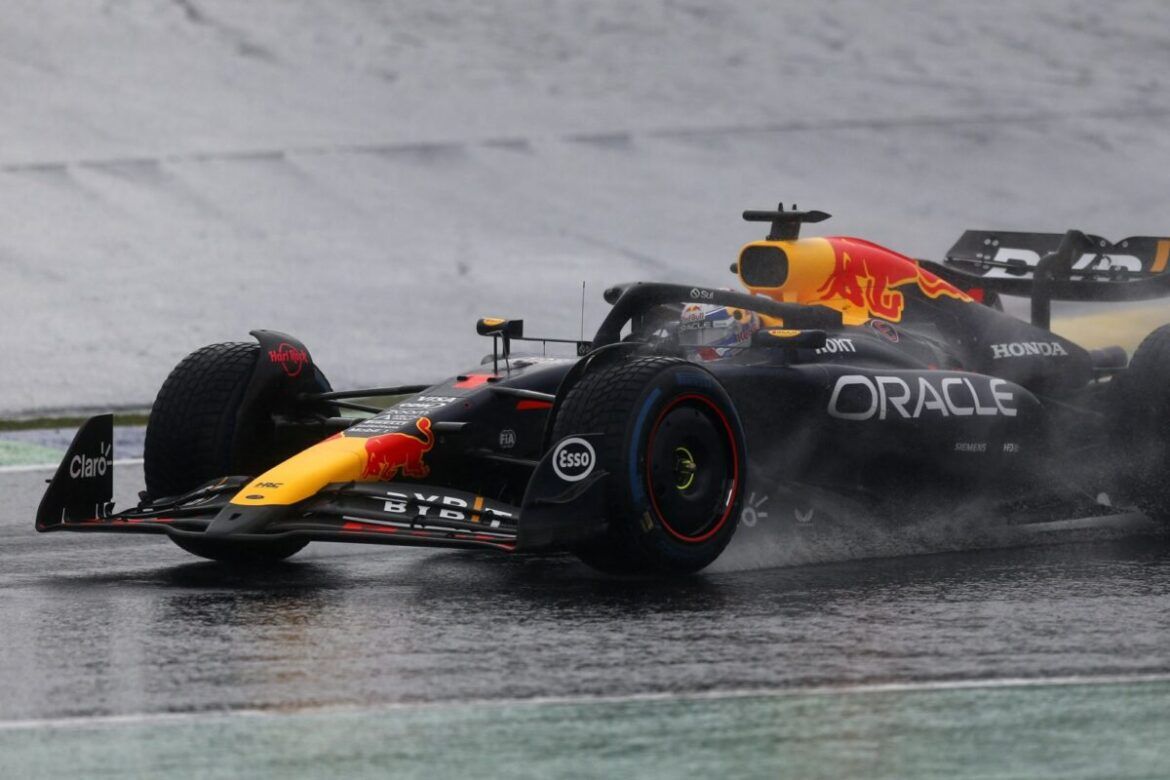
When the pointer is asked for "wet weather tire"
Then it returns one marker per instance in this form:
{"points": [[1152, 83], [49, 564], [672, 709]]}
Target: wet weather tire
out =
{"points": [[193, 421], [1144, 422], [673, 447], [190, 439]]}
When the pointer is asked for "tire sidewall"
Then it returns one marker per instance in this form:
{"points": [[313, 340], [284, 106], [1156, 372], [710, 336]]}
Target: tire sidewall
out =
{"points": [[644, 525]]}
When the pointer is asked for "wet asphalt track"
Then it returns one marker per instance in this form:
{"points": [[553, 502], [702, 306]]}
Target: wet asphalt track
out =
{"points": [[124, 655]]}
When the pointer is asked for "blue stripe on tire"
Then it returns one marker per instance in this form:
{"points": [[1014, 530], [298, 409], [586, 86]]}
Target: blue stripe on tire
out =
{"points": [[636, 490]]}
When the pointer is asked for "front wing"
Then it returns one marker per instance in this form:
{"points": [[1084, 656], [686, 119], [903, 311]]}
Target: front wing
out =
{"points": [[554, 514]]}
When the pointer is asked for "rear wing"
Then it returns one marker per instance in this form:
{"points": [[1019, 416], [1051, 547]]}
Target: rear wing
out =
{"points": [[1045, 267]]}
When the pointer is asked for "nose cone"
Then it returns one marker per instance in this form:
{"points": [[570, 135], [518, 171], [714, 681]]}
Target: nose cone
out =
{"points": [[338, 459]]}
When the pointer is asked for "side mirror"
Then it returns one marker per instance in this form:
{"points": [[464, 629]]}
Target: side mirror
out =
{"points": [[500, 329], [787, 338], [496, 326]]}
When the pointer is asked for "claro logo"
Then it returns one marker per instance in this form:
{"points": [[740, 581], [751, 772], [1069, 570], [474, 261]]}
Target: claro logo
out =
{"points": [[85, 467], [858, 397]]}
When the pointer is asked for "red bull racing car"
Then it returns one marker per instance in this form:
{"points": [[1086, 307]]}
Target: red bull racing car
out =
{"points": [[845, 374]]}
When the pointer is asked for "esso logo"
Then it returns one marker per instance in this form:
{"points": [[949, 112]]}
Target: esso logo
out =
{"points": [[574, 459]]}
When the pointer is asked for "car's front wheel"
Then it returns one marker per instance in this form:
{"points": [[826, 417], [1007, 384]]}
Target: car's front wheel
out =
{"points": [[674, 450], [194, 422], [195, 434]]}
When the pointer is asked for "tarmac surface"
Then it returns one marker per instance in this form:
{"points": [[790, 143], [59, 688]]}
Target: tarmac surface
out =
{"points": [[126, 655]]}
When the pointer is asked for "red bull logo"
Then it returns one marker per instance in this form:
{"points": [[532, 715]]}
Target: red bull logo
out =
{"points": [[390, 454], [868, 278]]}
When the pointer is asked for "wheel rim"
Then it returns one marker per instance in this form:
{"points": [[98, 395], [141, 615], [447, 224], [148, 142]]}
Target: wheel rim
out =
{"points": [[692, 468]]}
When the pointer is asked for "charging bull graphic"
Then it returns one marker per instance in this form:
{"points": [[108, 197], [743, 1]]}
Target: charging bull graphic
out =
{"points": [[390, 453], [867, 277]]}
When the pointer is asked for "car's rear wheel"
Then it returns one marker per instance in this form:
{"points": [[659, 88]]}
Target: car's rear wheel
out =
{"points": [[673, 447], [1143, 422], [193, 436]]}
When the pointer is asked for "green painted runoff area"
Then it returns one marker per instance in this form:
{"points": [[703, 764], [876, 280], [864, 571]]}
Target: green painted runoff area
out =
{"points": [[1051, 731], [19, 453]]}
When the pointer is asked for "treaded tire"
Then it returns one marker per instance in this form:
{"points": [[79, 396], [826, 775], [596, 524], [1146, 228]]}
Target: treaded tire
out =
{"points": [[655, 526], [190, 437], [1144, 422], [193, 421]]}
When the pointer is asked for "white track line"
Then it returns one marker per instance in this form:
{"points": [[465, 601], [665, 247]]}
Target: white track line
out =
{"points": [[930, 686], [53, 466]]}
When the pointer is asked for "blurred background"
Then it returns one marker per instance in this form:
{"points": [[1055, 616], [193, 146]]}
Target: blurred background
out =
{"points": [[371, 177]]}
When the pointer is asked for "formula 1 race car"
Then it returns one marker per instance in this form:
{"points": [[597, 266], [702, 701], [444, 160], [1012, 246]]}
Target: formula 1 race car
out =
{"points": [[847, 375]]}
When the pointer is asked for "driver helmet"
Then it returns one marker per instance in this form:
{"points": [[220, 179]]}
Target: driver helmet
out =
{"points": [[716, 331]]}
